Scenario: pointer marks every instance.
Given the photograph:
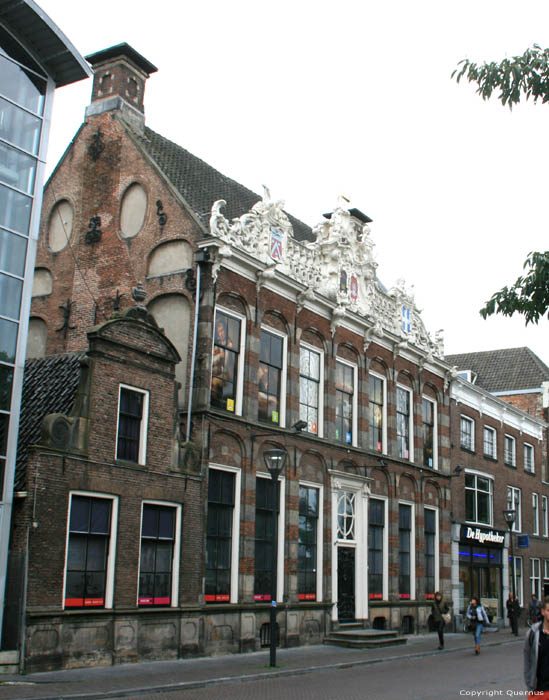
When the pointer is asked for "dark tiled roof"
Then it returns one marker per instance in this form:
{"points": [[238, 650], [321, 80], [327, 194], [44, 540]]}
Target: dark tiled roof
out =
{"points": [[49, 386], [201, 185], [510, 369]]}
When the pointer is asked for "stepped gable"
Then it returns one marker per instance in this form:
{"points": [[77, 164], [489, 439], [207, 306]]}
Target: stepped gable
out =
{"points": [[50, 385], [201, 185], [508, 369]]}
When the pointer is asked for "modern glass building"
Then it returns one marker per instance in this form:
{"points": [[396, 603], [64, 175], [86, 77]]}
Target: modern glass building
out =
{"points": [[35, 58]]}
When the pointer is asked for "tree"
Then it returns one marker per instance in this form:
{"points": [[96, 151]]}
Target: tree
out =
{"points": [[520, 76]]}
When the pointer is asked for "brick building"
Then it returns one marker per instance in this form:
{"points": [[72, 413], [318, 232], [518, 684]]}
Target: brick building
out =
{"points": [[287, 339]]}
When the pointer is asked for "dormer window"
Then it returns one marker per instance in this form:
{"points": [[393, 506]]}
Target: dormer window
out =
{"points": [[406, 319], [468, 375]]}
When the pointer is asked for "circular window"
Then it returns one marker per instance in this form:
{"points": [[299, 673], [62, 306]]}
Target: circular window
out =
{"points": [[60, 225], [132, 210]]}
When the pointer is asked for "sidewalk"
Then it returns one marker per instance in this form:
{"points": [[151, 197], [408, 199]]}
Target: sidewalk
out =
{"points": [[149, 677]]}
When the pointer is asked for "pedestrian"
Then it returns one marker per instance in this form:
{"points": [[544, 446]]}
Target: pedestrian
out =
{"points": [[439, 609], [513, 613], [534, 610], [536, 655], [479, 618]]}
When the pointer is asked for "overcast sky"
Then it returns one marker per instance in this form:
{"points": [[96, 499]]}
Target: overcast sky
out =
{"points": [[317, 99]]}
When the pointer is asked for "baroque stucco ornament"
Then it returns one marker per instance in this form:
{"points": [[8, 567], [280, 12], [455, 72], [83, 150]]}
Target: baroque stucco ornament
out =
{"points": [[339, 266]]}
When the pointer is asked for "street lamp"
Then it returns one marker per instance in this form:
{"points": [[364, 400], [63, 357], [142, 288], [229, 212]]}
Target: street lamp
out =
{"points": [[510, 515], [275, 460]]}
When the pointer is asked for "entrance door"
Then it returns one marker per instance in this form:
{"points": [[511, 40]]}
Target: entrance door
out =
{"points": [[346, 583]]}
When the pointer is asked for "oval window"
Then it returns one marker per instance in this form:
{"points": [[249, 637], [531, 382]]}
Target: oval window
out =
{"points": [[132, 210], [60, 225]]}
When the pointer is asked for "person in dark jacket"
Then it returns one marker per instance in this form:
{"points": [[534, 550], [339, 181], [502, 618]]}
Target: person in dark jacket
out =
{"points": [[534, 610], [536, 655], [438, 609], [513, 613]]}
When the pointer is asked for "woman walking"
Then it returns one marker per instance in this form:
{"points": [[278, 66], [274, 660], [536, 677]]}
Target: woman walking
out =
{"points": [[439, 608], [479, 618], [513, 612]]}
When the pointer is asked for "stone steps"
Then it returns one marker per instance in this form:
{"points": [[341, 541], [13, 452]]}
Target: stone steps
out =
{"points": [[359, 638], [9, 661]]}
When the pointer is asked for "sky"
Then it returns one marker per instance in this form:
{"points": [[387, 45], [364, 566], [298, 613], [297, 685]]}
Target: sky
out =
{"points": [[319, 99]]}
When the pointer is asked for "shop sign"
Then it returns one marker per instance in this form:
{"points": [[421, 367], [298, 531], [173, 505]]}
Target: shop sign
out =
{"points": [[523, 541], [481, 535]]}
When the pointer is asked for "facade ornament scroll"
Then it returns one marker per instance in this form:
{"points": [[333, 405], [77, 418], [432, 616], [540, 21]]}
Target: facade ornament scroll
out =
{"points": [[337, 316], [448, 376], [302, 298]]}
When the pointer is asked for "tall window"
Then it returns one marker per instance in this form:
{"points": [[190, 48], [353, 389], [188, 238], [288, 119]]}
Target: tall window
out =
{"points": [[376, 526], [489, 442], [157, 554], [221, 503], [430, 525], [132, 425], [514, 502], [404, 550], [535, 513], [265, 513], [535, 578], [517, 570], [544, 520], [310, 394], [376, 412], [528, 457], [345, 397], [88, 551], [269, 376], [307, 557], [478, 499], [429, 433], [509, 452], [467, 433], [403, 416], [226, 361]]}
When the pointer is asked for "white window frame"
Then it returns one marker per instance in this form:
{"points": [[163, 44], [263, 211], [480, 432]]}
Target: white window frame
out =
{"points": [[319, 536], [471, 422], [493, 432], [241, 354], [176, 548], [410, 457], [514, 500], [383, 413], [535, 564], [111, 556], [413, 548], [435, 428], [235, 540], [437, 545], [544, 517], [535, 513], [280, 531], [528, 448], [490, 477], [354, 422], [385, 583], [283, 372], [519, 588], [320, 426], [513, 462], [546, 569], [143, 427]]}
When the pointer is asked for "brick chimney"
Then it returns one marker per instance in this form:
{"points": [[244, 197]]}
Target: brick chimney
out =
{"points": [[119, 80]]}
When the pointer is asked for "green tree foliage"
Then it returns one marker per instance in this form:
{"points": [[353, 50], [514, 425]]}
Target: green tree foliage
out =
{"points": [[521, 76]]}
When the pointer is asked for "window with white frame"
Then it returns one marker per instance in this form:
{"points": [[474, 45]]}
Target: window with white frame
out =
{"points": [[528, 458], [346, 396], [404, 418], [546, 570], [222, 532], [271, 377], [309, 556], [131, 434], [509, 451], [406, 552], [159, 557], [490, 436], [377, 410], [517, 571], [228, 361], [311, 388], [429, 415], [467, 433], [265, 513], [376, 548], [514, 503], [91, 550], [535, 578], [544, 521], [479, 490], [346, 515], [431, 551], [535, 514]]}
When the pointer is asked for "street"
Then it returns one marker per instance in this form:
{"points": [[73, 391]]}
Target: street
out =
{"points": [[497, 672]]}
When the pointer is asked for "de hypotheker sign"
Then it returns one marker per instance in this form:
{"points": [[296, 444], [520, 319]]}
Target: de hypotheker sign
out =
{"points": [[480, 535]]}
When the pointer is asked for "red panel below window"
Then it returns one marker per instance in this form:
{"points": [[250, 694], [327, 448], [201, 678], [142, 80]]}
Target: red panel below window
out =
{"points": [[306, 596], [218, 598], [429, 596], [405, 596], [84, 602], [74, 602], [376, 596], [260, 596]]}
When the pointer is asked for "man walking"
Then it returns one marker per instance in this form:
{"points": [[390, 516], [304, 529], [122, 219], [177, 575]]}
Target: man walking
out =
{"points": [[536, 655]]}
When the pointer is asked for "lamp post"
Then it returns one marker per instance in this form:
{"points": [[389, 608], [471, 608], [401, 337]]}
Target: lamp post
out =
{"points": [[275, 460], [510, 515]]}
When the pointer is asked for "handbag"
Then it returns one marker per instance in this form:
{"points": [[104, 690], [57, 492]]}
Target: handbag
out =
{"points": [[446, 618]]}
